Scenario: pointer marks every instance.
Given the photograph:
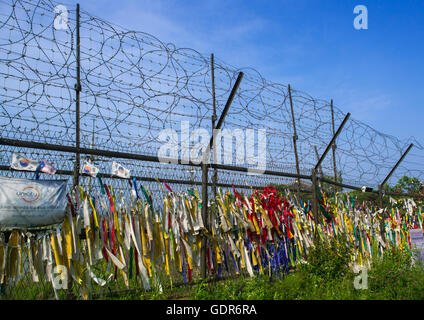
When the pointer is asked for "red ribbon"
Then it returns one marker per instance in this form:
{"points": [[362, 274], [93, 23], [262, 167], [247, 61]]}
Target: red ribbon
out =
{"points": [[167, 187], [208, 259], [110, 198], [189, 273], [72, 206]]}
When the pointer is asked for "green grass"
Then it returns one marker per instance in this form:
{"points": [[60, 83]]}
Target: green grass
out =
{"points": [[326, 276]]}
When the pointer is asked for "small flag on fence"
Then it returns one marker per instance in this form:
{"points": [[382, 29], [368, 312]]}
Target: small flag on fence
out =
{"points": [[120, 171], [22, 163], [47, 168], [88, 168]]}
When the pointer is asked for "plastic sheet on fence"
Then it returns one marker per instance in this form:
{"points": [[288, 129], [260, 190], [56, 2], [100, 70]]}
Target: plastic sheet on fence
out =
{"points": [[31, 203]]}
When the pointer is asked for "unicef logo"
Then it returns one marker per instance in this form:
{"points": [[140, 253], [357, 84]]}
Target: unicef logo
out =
{"points": [[29, 194]]}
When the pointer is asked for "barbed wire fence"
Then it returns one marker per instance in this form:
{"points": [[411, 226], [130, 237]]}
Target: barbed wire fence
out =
{"points": [[133, 86]]}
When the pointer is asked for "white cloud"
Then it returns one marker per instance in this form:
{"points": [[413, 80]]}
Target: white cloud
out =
{"points": [[208, 27]]}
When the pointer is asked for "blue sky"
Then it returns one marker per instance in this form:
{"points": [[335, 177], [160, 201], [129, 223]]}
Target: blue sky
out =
{"points": [[376, 74]]}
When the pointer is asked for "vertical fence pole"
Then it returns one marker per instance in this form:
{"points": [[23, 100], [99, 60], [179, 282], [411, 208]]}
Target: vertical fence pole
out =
{"points": [[320, 168], [294, 137], [315, 201], [397, 164], [332, 141], [334, 144], [214, 118], [205, 163], [383, 214], [314, 171], [204, 218], [77, 91], [381, 186]]}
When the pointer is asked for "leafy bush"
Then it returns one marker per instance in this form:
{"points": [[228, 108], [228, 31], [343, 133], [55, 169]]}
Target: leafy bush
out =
{"points": [[328, 261], [393, 277]]}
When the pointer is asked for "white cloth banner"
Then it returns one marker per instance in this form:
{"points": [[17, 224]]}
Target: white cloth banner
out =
{"points": [[24, 164], [31, 203], [88, 168], [120, 171]]}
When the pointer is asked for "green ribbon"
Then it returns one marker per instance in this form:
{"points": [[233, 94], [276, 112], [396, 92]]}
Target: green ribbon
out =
{"points": [[130, 263], [321, 206], [101, 183], [171, 238], [147, 196], [190, 192]]}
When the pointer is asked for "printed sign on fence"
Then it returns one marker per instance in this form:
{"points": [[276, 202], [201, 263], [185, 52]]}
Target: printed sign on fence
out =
{"points": [[31, 203], [417, 243]]}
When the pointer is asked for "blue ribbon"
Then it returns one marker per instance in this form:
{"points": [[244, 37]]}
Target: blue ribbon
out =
{"points": [[135, 187], [37, 171], [183, 269], [248, 244], [235, 264], [225, 260]]}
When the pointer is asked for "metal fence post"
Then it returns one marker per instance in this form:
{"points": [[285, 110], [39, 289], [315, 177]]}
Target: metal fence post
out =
{"points": [[383, 213], [294, 137], [204, 218], [332, 140], [320, 167], [314, 175], [396, 165], [334, 144], [381, 186], [315, 201], [214, 118], [205, 163], [77, 91]]}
